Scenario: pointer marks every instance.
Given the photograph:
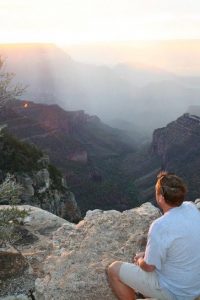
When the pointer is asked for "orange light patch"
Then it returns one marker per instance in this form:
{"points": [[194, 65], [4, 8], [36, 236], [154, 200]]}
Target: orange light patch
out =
{"points": [[25, 105]]}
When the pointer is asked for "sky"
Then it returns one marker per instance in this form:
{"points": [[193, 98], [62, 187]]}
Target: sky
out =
{"points": [[79, 21]]}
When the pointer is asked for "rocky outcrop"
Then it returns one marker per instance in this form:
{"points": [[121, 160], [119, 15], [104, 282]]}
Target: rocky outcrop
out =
{"points": [[43, 184], [35, 244], [76, 267], [197, 202], [174, 148], [38, 191], [177, 132], [177, 146], [69, 260]]}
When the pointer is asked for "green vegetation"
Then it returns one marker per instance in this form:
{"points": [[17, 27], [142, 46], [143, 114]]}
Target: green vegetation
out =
{"points": [[17, 156], [10, 217], [10, 190], [56, 177]]}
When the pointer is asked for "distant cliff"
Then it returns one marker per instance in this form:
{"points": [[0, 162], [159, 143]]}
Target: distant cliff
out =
{"points": [[148, 96], [178, 147], [101, 165], [184, 131], [174, 148], [86, 150]]}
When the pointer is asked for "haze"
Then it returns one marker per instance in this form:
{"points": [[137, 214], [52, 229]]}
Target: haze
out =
{"points": [[180, 57], [134, 63]]}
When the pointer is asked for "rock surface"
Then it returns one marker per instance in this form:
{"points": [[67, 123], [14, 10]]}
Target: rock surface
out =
{"points": [[177, 146], [43, 185], [38, 190], [35, 244], [76, 267], [68, 261], [11, 264]]}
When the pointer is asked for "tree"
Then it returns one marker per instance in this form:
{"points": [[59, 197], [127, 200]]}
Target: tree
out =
{"points": [[10, 190], [10, 217], [8, 90]]}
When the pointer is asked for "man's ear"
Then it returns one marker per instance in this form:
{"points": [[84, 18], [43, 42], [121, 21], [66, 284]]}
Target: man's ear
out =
{"points": [[161, 198]]}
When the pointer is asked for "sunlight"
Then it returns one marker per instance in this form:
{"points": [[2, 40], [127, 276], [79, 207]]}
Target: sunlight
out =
{"points": [[75, 22]]}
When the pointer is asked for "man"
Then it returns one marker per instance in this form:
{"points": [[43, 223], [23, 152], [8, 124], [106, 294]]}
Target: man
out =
{"points": [[169, 269]]}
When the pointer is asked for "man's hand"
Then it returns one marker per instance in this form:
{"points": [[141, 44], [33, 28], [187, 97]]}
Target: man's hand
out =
{"points": [[137, 256], [139, 260]]}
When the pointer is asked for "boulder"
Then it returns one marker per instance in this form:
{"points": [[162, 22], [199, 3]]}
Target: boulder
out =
{"points": [[68, 261], [75, 269], [197, 202], [19, 270]]}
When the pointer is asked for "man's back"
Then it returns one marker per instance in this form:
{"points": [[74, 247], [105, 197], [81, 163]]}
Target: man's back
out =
{"points": [[175, 238]]}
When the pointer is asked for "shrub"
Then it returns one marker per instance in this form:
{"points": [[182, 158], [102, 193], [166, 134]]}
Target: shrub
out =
{"points": [[10, 217]]}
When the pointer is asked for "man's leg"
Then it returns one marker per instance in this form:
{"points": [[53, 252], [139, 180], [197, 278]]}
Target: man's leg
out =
{"points": [[121, 290]]}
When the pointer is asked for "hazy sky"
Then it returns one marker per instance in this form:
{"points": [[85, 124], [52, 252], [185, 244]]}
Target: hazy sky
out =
{"points": [[76, 21]]}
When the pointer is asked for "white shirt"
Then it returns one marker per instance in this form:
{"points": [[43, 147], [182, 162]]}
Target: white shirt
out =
{"points": [[173, 247]]}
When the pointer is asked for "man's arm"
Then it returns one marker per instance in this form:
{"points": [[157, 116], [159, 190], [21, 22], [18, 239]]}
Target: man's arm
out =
{"points": [[144, 266], [139, 260]]}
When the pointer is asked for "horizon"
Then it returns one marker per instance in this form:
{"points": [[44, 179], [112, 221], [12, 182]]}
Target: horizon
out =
{"points": [[110, 32], [177, 56]]}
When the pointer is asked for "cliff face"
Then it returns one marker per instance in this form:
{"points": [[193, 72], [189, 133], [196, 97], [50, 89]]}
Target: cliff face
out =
{"points": [[43, 185], [63, 134], [178, 147], [87, 151], [182, 134], [174, 148], [22, 116], [120, 91]]}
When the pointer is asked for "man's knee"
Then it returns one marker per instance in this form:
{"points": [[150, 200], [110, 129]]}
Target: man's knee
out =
{"points": [[113, 269]]}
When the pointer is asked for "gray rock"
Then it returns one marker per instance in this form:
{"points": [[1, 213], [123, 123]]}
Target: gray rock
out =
{"points": [[39, 191], [76, 267], [27, 183], [69, 261], [12, 264], [197, 202], [42, 179], [17, 297], [69, 209], [44, 161], [16, 277]]}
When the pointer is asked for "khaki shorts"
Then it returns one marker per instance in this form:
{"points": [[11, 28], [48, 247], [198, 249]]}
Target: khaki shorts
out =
{"points": [[144, 282]]}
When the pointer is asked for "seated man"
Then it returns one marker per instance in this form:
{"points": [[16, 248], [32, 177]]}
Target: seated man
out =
{"points": [[169, 269]]}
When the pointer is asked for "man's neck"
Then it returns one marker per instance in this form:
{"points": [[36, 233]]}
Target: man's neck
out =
{"points": [[167, 207]]}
